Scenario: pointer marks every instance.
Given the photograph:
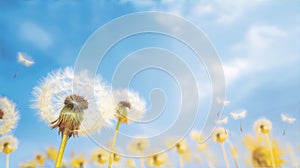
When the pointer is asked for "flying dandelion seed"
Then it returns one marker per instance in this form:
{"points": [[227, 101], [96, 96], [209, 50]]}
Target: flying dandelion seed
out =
{"points": [[8, 144], [286, 119], [223, 102], [25, 59], [72, 113], [238, 116], [220, 135], [222, 121], [9, 115], [129, 107]]}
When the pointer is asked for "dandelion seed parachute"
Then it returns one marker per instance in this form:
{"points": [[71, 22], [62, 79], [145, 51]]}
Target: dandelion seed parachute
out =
{"points": [[25, 59], [9, 115]]}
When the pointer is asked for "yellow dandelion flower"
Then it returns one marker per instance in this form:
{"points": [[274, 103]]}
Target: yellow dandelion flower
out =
{"points": [[30, 164], [78, 162], [131, 163], [100, 156], [138, 145], [69, 102], [157, 160], [8, 115], [51, 153], [40, 159], [8, 144], [260, 152]]}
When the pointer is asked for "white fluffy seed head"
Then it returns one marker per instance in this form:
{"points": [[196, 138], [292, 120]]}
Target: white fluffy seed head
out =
{"points": [[50, 96], [262, 126], [9, 115], [8, 144], [129, 105]]}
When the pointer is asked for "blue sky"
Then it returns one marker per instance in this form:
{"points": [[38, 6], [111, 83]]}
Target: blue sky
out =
{"points": [[257, 42]]}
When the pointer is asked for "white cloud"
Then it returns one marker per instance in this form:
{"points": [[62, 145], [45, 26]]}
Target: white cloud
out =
{"points": [[35, 35], [219, 11], [263, 49]]}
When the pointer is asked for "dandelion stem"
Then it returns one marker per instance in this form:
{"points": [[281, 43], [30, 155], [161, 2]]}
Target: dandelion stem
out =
{"points": [[224, 155], [61, 151], [111, 155], [271, 150], [142, 162], [180, 161], [7, 160]]}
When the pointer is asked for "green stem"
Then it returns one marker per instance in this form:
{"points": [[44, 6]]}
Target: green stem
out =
{"points": [[111, 155], [61, 151]]}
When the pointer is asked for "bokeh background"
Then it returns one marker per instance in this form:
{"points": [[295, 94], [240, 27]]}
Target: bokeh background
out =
{"points": [[257, 41]]}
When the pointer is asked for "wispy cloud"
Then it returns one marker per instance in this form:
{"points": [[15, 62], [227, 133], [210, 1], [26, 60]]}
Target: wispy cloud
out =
{"points": [[35, 35]]}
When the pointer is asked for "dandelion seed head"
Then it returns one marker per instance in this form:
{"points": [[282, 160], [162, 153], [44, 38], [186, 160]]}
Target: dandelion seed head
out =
{"points": [[9, 115], [239, 114], [138, 145], [8, 144], [220, 135], [182, 147], [287, 119], [157, 160], [262, 126], [129, 106], [40, 159], [195, 135], [78, 162], [90, 96], [100, 156]]}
